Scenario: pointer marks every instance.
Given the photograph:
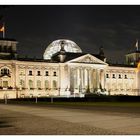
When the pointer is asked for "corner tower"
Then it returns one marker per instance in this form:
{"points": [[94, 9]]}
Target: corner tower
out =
{"points": [[133, 57], [8, 48]]}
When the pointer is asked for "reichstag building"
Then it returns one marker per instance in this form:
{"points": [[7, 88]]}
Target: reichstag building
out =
{"points": [[65, 71]]}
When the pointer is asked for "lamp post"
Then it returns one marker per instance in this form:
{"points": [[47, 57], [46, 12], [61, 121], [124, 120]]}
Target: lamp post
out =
{"points": [[5, 97], [17, 89], [36, 100], [51, 99], [35, 95], [51, 89]]}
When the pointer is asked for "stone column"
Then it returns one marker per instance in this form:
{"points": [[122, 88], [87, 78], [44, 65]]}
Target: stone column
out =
{"points": [[102, 79], [14, 75], [123, 79], [71, 79], [98, 78], [138, 82], [94, 79], [50, 75], [74, 79], [26, 77], [80, 86], [81, 79], [34, 70], [78, 78], [110, 83], [42, 78], [88, 81]]}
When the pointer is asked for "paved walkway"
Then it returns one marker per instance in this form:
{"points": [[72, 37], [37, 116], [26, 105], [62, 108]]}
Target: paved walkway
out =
{"points": [[49, 120]]}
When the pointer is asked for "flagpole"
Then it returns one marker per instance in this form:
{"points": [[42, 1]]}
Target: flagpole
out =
{"points": [[3, 34], [137, 44]]}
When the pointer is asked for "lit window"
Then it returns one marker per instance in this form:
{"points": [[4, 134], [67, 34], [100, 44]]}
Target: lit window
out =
{"points": [[54, 84], [38, 84], [30, 84], [46, 84]]}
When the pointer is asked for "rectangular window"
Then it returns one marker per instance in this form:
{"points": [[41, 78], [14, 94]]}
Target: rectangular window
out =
{"points": [[54, 73], [113, 76], [38, 73], [107, 75], [125, 77], [30, 72], [119, 76]]}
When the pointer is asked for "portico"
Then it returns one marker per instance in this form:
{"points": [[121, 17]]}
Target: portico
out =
{"points": [[86, 77]]}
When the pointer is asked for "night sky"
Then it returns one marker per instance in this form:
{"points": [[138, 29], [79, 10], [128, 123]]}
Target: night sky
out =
{"points": [[116, 28]]}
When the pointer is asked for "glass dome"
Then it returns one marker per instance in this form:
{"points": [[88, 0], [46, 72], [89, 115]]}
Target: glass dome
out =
{"points": [[55, 47]]}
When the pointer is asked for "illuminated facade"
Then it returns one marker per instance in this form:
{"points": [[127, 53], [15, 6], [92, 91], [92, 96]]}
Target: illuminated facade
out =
{"points": [[65, 71]]}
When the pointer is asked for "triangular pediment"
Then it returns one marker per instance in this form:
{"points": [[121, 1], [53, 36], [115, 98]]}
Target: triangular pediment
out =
{"points": [[88, 59]]}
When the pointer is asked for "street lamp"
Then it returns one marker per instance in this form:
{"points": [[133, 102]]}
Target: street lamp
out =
{"points": [[5, 97]]}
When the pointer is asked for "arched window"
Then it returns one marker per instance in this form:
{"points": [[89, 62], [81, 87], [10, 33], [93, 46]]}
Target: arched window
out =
{"points": [[54, 84], [46, 84], [30, 84], [22, 83], [38, 84], [5, 71]]}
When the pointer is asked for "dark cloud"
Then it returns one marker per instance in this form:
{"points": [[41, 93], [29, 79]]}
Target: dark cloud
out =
{"points": [[116, 28]]}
